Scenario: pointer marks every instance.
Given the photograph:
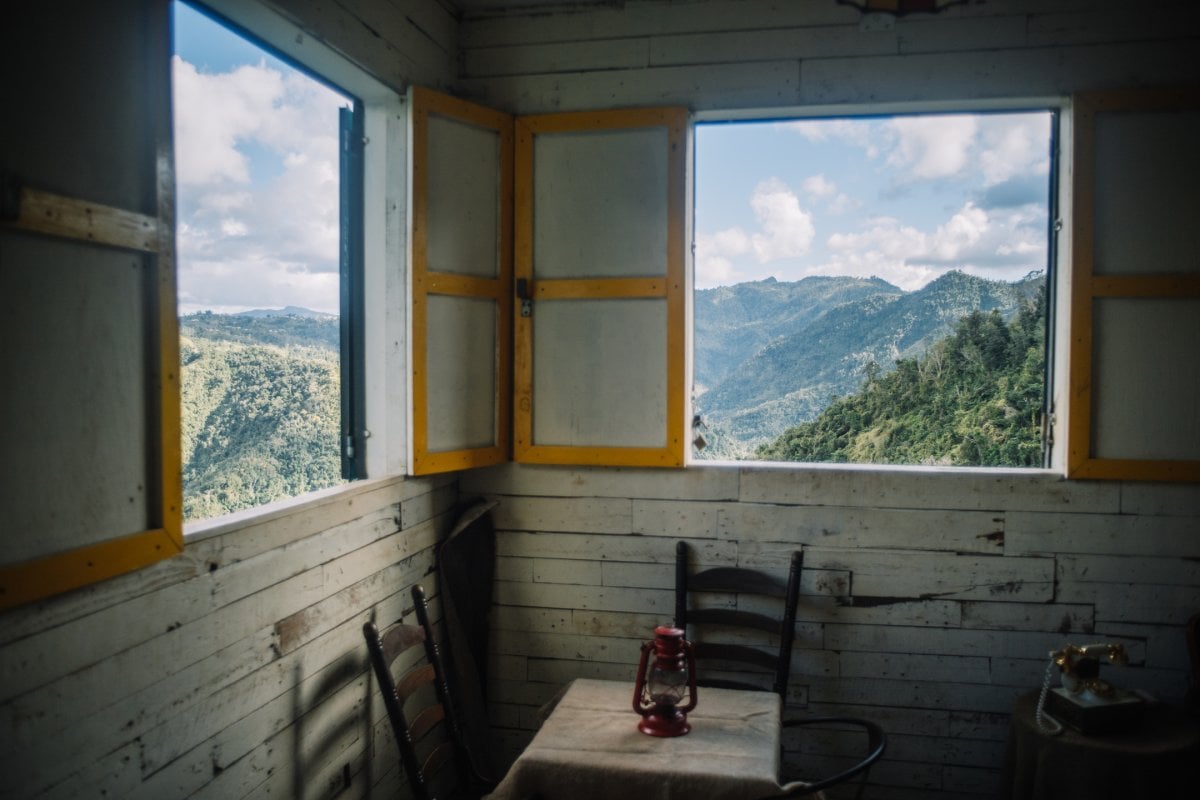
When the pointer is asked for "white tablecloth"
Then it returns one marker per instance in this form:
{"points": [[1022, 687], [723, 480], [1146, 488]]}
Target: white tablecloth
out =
{"points": [[589, 748]]}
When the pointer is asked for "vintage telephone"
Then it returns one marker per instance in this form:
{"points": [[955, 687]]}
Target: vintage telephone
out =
{"points": [[1085, 702]]}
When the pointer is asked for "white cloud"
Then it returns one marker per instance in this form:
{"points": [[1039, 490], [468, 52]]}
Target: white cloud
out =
{"points": [[257, 166], [787, 229], [836, 130], [930, 147], [1013, 146], [1002, 247], [714, 253], [819, 186]]}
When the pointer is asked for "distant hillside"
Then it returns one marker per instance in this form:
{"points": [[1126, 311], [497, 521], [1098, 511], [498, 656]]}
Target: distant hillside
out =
{"points": [[279, 328], [973, 399], [807, 361], [261, 413]]}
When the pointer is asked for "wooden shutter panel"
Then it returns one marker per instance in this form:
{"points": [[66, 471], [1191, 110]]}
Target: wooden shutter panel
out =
{"points": [[1135, 286], [600, 232], [461, 283]]}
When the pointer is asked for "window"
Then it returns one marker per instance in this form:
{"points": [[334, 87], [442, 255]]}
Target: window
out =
{"points": [[874, 289], [270, 248]]}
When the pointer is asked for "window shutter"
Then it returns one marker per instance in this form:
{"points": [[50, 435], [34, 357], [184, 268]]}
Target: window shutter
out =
{"points": [[599, 242], [1135, 287], [89, 348], [461, 283]]}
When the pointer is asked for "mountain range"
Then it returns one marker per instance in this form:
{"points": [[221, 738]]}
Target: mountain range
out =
{"points": [[771, 354]]}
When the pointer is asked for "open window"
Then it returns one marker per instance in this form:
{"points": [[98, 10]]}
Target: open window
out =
{"points": [[269, 220], [874, 288], [1135, 292]]}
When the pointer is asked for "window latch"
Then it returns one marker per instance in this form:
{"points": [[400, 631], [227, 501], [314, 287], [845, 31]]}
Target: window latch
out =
{"points": [[526, 298]]}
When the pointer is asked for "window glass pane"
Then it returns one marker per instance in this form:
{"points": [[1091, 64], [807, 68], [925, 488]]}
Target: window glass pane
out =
{"points": [[1144, 357], [1147, 185], [461, 339], [599, 196], [588, 388], [257, 163], [873, 289], [92, 394], [463, 188]]}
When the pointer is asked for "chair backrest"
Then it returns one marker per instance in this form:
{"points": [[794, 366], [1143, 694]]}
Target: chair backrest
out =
{"points": [[416, 701], [696, 619]]}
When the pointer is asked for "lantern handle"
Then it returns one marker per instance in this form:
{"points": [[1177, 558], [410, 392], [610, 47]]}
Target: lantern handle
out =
{"points": [[640, 685], [690, 651]]}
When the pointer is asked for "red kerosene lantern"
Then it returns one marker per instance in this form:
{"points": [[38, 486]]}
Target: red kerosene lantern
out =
{"points": [[659, 695]]}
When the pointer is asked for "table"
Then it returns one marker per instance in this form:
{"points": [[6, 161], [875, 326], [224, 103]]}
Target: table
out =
{"points": [[589, 748], [1160, 758]]}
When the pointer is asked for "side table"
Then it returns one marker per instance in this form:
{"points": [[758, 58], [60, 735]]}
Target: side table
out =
{"points": [[1159, 758]]}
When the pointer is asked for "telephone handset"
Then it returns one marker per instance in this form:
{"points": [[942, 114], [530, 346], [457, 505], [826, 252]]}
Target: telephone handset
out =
{"points": [[1087, 702]]}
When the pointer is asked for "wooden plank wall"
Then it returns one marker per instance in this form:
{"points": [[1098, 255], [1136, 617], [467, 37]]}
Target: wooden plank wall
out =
{"points": [[237, 669], [930, 598], [736, 54]]}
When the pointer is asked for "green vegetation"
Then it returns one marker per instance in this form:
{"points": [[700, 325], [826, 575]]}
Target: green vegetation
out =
{"points": [[261, 410], [974, 398]]}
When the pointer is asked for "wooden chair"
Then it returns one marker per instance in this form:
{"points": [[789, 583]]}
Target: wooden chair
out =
{"points": [[696, 621], [772, 665], [418, 705]]}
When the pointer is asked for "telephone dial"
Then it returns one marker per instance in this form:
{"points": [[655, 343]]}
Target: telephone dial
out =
{"points": [[1085, 701]]}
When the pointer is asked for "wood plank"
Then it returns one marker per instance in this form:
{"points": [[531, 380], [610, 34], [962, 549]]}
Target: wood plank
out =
{"points": [[952, 642], [605, 22], [763, 84], [693, 483], [1099, 534], [998, 74], [925, 487], [909, 666], [634, 549], [686, 519], [74, 218], [582, 515], [897, 573], [529, 59], [600, 598], [1060, 616], [842, 526], [772, 44], [1179, 571], [1160, 499]]}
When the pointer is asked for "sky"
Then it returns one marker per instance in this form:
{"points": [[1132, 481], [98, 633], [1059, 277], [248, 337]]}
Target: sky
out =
{"points": [[903, 198], [256, 167]]}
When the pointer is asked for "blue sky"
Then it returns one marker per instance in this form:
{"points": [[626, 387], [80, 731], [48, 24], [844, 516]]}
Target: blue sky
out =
{"points": [[902, 198], [256, 159]]}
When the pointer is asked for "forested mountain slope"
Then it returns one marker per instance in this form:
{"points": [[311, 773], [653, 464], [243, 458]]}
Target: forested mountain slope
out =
{"points": [[807, 363], [973, 399], [261, 409]]}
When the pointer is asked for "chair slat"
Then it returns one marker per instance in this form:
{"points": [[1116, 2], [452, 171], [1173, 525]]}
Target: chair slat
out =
{"points": [[425, 720], [734, 619], [736, 652], [399, 638], [737, 579], [414, 680]]}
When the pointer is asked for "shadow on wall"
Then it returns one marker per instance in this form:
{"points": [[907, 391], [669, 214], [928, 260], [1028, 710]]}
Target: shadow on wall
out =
{"points": [[330, 712]]}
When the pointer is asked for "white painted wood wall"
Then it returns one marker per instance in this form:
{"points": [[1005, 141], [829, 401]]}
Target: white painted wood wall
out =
{"points": [[930, 598], [235, 670]]}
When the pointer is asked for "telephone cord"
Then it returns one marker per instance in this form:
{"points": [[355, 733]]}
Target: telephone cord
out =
{"points": [[1046, 723]]}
